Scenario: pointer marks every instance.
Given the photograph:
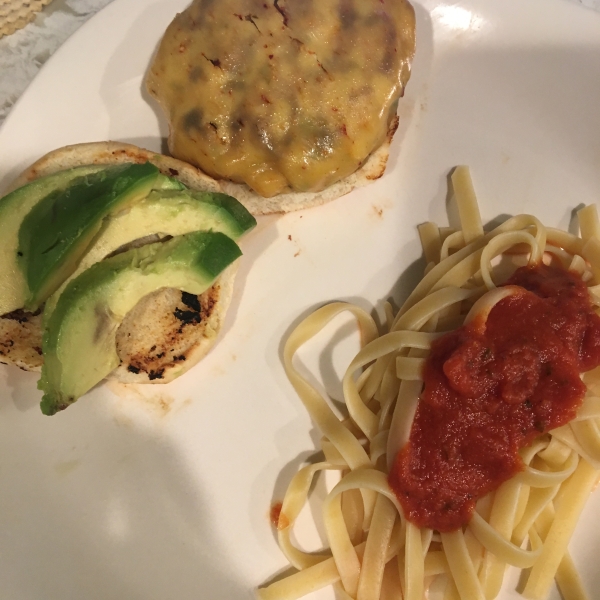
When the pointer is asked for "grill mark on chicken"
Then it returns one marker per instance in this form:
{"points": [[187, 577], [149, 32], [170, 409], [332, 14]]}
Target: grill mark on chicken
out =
{"points": [[20, 315], [191, 301], [21, 339]]}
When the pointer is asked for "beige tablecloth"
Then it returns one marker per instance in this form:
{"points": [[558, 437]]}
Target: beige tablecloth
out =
{"points": [[23, 52], [15, 14]]}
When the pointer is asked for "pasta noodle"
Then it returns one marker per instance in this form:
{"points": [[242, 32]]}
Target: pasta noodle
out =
{"points": [[374, 551]]}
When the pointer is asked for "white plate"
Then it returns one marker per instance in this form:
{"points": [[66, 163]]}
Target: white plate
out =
{"points": [[164, 492]]}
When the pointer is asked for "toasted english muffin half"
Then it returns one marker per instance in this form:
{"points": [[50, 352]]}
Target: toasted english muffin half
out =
{"points": [[168, 331]]}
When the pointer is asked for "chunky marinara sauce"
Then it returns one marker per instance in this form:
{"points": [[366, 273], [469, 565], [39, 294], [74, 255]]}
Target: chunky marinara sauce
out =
{"points": [[488, 394]]}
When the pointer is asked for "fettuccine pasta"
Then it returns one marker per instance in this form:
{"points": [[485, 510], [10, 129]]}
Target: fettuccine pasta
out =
{"points": [[374, 551]]}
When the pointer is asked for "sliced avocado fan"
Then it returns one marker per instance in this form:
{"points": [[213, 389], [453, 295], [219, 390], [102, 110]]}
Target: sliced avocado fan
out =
{"points": [[13, 209], [163, 213], [58, 230], [79, 343]]}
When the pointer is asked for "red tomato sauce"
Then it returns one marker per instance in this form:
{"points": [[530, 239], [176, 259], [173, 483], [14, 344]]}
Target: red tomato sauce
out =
{"points": [[277, 518], [489, 393], [274, 513]]}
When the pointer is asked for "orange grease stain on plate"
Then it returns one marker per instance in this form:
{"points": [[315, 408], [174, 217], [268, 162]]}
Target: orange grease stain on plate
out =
{"points": [[153, 402], [277, 518], [377, 210], [66, 467], [298, 248]]}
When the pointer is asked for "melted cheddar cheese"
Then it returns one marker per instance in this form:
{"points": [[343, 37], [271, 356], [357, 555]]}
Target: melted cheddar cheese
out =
{"points": [[282, 94]]}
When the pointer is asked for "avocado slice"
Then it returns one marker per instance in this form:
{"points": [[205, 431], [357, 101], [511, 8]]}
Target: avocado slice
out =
{"points": [[13, 209], [164, 182], [58, 230], [164, 213], [79, 344]]}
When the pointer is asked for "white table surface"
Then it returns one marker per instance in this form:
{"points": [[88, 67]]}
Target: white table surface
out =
{"points": [[24, 52]]}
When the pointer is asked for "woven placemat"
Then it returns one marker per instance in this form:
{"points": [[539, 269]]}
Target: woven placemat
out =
{"points": [[15, 14]]}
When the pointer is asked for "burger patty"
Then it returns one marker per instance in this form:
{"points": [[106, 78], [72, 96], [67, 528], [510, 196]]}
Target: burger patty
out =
{"points": [[282, 94]]}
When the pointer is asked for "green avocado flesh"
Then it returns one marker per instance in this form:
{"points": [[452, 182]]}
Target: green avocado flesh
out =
{"points": [[168, 183], [58, 230], [164, 213], [79, 343], [13, 209]]}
